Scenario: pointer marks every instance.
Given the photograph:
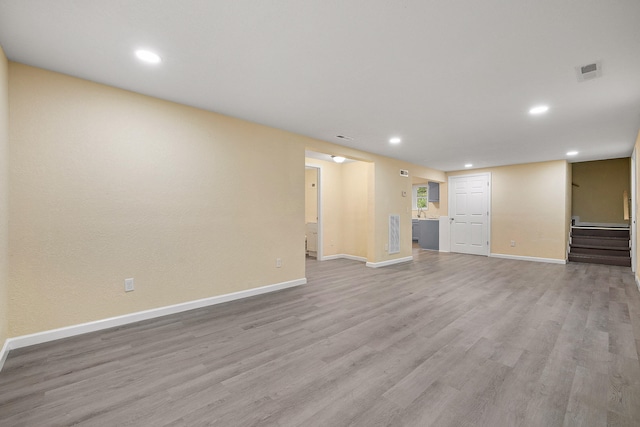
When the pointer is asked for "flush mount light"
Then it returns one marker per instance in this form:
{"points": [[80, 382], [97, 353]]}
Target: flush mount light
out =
{"points": [[148, 56], [395, 140], [571, 153], [539, 109], [468, 165], [338, 159]]}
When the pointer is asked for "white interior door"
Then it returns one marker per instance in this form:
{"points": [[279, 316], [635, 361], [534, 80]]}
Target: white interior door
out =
{"points": [[469, 213]]}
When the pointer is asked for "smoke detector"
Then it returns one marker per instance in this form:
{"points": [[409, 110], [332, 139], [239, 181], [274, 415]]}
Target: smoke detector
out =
{"points": [[589, 71]]}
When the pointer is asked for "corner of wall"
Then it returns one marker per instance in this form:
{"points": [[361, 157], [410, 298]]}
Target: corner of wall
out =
{"points": [[4, 141]]}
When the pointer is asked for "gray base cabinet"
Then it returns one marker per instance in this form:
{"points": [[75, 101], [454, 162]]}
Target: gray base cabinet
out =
{"points": [[429, 234]]}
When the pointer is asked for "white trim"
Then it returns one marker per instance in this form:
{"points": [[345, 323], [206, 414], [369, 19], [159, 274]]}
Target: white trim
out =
{"points": [[414, 196], [320, 244], [637, 281], [344, 256], [445, 233], [605, 225], [451, 195], [530, 258], [98, 325], [4, 353], [389, 262]]}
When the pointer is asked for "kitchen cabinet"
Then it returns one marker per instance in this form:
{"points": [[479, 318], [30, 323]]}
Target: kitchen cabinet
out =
{"points": [[434, 192], [429, 234]]}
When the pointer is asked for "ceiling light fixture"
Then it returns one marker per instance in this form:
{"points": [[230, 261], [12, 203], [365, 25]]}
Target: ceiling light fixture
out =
{"points": [[338, 159], [468, 165], [148, 56], [539, 109], [571, 153], [395, 140]]}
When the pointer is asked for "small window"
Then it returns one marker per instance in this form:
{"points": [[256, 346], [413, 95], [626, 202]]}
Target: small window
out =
{"points": [[421, 196]]}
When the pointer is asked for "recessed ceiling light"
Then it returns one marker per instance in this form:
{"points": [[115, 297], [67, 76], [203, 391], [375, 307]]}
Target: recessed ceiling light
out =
{"points": [[571, 153], [148, 56], [395, 140], [468, 165], [539, 109], [338, 159]]}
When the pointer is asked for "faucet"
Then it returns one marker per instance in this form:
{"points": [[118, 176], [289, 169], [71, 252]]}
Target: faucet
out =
{"points": [[420, 212]]}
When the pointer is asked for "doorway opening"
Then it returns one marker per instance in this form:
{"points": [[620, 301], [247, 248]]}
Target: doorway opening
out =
{"points": [[602, 212], [312, 212]]}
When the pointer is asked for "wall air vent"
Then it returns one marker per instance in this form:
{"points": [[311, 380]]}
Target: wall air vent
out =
{"points": [[394, 234], [589, 71]]}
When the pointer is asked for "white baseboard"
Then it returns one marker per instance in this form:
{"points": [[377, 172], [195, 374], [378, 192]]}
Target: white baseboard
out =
{"points": [[637, 281], [530, 258], [4, 353], [98, 325], [389, 262], [344, 256]]}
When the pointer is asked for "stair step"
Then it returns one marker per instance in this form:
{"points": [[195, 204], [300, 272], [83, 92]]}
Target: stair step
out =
{"points": [[600, 259], [607, 251], [600, 232], [600, 241]]}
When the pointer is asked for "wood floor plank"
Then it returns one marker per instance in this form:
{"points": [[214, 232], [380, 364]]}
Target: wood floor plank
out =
{"points": [[445, 340]]}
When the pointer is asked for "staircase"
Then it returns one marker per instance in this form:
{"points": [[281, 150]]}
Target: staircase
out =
{"points": [[597, 245]]}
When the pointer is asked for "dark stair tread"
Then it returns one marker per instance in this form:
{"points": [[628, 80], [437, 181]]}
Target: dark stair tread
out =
{"points": [[582, 236], [600, 241], [600, 232], [604, 247], [601, 259]]}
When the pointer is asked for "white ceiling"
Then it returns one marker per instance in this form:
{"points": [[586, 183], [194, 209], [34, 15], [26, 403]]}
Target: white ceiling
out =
{"points": [[453, 79]]}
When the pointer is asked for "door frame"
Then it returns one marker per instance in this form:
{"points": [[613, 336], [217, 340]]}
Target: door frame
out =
{"points": [[488, 196], [318, 168]]}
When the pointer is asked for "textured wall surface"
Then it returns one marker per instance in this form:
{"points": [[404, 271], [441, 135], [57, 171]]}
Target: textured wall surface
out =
{"points": [[528, 205], [4, 211], [107, 184], [601, 186]]}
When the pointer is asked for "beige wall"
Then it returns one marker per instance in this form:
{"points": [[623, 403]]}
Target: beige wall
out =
{"points": [[568, 204], [599, 194], [108, 184], [529, 205], [356, 178], [433, 208], [386, 186], [310, 195], [4, 254], [635, 199], [345, 201], [331, 205]]}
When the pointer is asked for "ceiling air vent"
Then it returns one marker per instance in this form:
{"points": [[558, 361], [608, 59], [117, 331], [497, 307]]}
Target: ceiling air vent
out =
{"points": [[589, 71]]}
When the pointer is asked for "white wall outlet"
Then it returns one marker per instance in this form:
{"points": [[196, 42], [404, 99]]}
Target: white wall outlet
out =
{"points": [[278, 262], [386, 246], [128, 285], [513, 243]]}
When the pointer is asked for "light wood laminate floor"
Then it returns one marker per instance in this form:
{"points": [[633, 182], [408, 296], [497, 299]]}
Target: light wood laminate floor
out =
{"points": [[447, 340]]}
